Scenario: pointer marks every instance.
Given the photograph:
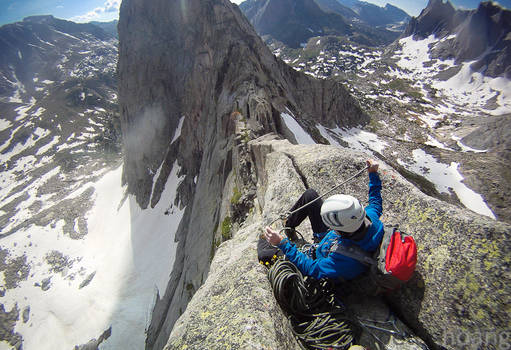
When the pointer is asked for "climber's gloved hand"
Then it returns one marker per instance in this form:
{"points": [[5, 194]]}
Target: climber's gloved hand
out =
{"points": [[272, 236], [372, 166]]}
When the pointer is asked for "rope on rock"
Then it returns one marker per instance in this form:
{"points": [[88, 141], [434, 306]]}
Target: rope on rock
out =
{"points": [[318, 321]]}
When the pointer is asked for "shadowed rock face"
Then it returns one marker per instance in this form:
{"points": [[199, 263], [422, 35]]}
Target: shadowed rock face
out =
{"points": [[482, 34], [202, 60]]}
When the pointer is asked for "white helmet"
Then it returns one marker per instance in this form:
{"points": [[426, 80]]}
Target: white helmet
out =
{"points": [[343, 213]]}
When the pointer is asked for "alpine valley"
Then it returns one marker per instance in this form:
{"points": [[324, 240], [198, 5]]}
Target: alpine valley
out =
{"points": [[141, 160]]}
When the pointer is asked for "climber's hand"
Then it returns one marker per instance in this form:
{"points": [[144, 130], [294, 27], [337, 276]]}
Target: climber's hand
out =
{"points": [[372, 166], [272, 236]]}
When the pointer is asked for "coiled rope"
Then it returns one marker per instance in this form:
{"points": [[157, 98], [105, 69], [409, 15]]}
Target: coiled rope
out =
{"points": [[318, 321]]}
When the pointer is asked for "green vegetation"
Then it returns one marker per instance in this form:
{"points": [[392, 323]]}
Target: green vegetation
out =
{"points": [[404, 85], [398, 84], [373, 125], [226, 228], [236, 196], [246, 136], [309, 54]]}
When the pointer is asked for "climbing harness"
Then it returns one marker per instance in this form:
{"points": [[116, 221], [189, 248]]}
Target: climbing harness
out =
{"points": [[319, 321], [285, 215]]}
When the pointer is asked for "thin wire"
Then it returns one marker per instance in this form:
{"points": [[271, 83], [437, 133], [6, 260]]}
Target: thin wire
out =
{"points": [[289, 213]]}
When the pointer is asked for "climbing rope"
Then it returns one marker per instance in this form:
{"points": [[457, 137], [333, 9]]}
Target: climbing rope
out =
{"points": [[383, 326], [319, 322], [285, 215]]}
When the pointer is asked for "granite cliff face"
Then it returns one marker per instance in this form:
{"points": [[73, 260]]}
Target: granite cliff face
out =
{"points": [[186, 70]]}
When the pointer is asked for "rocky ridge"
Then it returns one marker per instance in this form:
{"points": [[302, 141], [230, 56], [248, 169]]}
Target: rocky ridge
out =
{"points": [[200, 75], [216, 90], [442, 303]]}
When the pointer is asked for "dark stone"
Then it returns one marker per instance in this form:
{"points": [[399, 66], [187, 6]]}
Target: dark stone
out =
{"points": [[93, 344], [46, 284], [8, 321], [26, 314], [87, 280]]}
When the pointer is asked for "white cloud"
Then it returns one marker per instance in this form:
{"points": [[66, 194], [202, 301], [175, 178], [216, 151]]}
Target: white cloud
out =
{"points": [[108, 11], [112, 5]]}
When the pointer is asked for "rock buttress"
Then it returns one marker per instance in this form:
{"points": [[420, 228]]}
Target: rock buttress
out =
{"points": [[194, 64]]}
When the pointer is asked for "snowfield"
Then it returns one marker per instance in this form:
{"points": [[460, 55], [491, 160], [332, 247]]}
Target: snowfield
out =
{"points": [[78, 288], [446, 178], [468, 90]]}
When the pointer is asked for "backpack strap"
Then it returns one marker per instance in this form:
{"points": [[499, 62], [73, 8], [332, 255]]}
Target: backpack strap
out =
{"points": [[355, 252]]}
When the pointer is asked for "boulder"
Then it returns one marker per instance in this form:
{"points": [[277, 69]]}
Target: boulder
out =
{"points": [[460, 291]]}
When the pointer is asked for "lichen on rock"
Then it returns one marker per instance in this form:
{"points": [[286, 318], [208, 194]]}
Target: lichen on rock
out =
{"points": [[460, 286]]}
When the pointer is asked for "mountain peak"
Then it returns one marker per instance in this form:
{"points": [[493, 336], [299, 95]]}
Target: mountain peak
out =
{"points": [[293, 22], [43, 19], [438, 7]]}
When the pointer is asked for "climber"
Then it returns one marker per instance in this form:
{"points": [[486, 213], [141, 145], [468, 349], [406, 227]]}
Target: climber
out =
{"points": [[339, 220]]}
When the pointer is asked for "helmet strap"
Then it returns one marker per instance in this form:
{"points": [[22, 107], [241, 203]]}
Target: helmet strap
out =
{"points": [[359, 234]]}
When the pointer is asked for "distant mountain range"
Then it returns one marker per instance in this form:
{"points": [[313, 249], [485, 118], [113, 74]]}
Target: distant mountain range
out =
{"points": [[482, 35], [370, 14], [58, 101], [59, 133], [293, 22], [109, 27]]}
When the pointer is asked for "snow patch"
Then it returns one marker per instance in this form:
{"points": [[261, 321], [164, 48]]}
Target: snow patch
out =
{"points": [[128, 253], [23, 110], [38, 112], [468, 90], [4, 124], [48, 146], [473, 88], [446, 177], [301, 136], [356, 138], [178, 129], [435, 143]]}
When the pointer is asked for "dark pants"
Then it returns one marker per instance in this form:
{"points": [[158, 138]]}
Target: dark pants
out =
{"points": [[312, 211]]}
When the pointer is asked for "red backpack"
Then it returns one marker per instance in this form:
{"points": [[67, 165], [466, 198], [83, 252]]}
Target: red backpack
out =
{"points": [[393, 264]]}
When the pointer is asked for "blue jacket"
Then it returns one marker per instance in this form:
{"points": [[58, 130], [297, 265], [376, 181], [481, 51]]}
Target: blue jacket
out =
{"points": [[330, 264]]}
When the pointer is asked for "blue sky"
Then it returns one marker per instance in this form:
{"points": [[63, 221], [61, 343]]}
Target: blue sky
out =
{"points": [[74, 10], [107, 10]]}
